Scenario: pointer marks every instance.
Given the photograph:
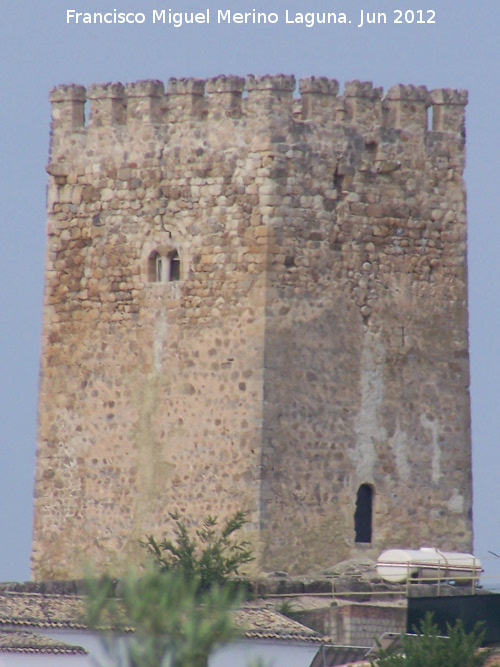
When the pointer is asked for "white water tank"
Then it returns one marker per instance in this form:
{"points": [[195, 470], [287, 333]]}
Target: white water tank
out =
{"points": [[399, 565]]}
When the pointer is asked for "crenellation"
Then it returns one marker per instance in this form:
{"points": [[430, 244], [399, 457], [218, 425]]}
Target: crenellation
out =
{"points": [[270, 95], [107, 104], [407, 107], [144, 101], [448, 108], [68, 102], [361, 106], [185, 99], [225, 96], [319, 98], [363, 103], [449, 96], [274, 82]]}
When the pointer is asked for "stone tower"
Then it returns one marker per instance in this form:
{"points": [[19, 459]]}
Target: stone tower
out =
{"points": [[254, 302]]}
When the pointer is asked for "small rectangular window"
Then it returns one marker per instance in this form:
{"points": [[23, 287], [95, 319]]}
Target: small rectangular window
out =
{"points": [[175, 267]]}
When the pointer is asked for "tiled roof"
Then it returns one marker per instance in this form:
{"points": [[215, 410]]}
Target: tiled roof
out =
{"points": [[268, 624], [39, 610], [18, 641]]}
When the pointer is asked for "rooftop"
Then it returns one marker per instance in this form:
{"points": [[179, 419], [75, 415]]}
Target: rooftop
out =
{"points": [[48, 610], [22, 641]]}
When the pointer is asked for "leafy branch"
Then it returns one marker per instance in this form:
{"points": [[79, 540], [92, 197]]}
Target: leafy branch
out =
{"points": [[212, 557]]}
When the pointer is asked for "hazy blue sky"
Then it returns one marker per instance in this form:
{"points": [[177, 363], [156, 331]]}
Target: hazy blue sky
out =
{"points": [[38, 49]]}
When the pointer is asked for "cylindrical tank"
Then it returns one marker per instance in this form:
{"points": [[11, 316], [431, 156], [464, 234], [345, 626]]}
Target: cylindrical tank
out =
{"points": [[399, 565]]}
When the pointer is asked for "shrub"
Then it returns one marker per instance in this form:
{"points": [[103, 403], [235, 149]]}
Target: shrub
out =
{"points": [[212, 557], [428, 649]]}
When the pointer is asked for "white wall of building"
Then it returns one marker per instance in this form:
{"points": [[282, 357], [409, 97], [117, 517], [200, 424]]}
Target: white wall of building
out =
{"points": [[236, 654]]}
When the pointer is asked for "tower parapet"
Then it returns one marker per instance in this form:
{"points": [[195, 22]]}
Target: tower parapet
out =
{"points": [[403, 107]]}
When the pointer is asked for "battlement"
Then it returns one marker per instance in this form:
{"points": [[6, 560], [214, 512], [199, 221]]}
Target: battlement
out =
{"points": [[402, 107]]}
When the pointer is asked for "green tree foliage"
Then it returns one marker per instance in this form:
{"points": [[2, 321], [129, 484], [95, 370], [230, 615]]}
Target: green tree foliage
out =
{"points": [[164, 618], [428, 649], [211, 557]]}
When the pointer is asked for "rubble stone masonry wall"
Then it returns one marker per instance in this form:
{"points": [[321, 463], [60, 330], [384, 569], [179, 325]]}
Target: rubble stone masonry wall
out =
{"points": [[253, 302]]}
